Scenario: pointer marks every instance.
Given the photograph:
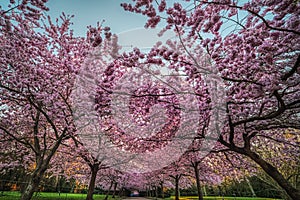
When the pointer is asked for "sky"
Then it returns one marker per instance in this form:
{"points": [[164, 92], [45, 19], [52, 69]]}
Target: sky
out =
{"points": [[89, 12], [128, 26]]}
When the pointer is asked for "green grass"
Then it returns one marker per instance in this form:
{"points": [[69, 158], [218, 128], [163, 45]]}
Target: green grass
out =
{"points": [[70, 196], [225, 198], [50, 196]]}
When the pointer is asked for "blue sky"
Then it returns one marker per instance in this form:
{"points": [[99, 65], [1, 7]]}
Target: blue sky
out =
{"points": [[128, 26], [88, 12]]}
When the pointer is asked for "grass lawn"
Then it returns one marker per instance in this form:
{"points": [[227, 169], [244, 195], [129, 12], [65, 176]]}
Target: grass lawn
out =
{"points": [[70, 196], [224, 198], [50, 196]]}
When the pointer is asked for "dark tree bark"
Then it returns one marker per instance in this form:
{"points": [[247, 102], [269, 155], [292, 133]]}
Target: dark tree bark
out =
{"points": [[197, 175], [109, 189], [120, 194], [94, 170], [275, 174], [162, 190], [177, 178], [272, 171], [33, 184], [41, 167], [115, 188]]}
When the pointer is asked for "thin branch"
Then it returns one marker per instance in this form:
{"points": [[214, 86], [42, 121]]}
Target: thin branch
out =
{"points": [[293, 70], [255, 14]]}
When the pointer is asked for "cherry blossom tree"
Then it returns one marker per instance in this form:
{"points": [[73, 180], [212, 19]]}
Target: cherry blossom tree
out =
{"points": [[74, 161], [250, 44], [283, 151], [94, 165], [179, 173], [159, 179], [197, 168], [39, 60], [110, 181]]}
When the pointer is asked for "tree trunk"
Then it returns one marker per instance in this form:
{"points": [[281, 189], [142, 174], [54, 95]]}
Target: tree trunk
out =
{"points": [[94, 171], [41, 167], [237, 189], [177, 187], [250, 186], [109, 189], [197, 175], [34, 182], [162, 190], [30, 188], [275, 174], [204, 189], [115, 188], [151, 192], [120, 194]]}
